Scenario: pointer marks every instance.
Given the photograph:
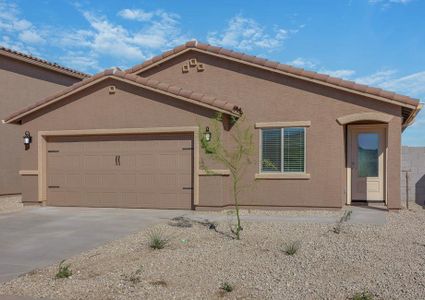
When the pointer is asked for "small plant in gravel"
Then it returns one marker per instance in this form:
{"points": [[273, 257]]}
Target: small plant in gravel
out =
{"points": [[227, 287], [362, 296], [180, 222], [292, 248], [236, 158], [64, 271], [338, 227], [135, 276], [157, 239], [159, 283]]}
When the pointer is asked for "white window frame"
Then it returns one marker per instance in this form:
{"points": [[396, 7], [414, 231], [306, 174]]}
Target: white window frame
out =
{"points": [[282, 130]]}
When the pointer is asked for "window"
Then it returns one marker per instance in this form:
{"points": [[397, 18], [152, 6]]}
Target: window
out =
{"points": [[283, 150]]}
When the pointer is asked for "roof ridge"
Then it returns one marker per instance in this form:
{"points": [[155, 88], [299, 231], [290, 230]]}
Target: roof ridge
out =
{"points": [[274, 65], [45, 62], [203, 99]]}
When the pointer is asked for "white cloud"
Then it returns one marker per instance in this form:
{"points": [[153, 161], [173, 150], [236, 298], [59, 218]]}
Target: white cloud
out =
{"points": [[81, 60], [343, 73], [246, 34], [31, 37], [387, 3], [413, 84], [377, 77], [135, 14], [110, 39], [86, 47], [104, 38], [13, 25], [302, 63]]}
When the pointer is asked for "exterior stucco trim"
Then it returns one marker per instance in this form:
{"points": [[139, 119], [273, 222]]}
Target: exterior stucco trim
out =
{"points": [[214, 172], [282, 176], [283, 124], [28, 172], [368, 116], [42, 153]]}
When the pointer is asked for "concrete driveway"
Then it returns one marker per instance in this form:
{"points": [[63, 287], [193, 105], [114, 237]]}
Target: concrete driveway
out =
{"points": [[38, 236]]}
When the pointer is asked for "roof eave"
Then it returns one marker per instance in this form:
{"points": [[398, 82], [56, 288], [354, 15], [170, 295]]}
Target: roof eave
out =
{"points": [[74, 74], [17, 118], [411, 119]]}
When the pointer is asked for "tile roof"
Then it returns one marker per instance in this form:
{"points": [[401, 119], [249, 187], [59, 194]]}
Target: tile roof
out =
{"points": [[42, 62], [191, 96], [273, 65]]}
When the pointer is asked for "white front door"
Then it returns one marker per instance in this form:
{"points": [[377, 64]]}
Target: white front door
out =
{"points": [[367, 162]]}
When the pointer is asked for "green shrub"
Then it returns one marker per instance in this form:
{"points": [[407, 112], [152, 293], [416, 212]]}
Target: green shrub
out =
{"points": [[227, 287], [292, 248], [64, 270], [157, 239], [363, 296]]}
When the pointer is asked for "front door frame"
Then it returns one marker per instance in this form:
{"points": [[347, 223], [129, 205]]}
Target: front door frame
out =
{"points": [[42, 150], [350, 128]]}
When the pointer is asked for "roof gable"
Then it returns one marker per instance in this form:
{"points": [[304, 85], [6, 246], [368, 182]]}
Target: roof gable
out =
{"points": [[346, 85], [221, 105], [42, 63]]}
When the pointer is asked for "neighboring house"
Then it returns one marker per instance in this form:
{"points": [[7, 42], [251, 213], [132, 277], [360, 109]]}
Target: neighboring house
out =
{"points": [[131, 139], [24, 79], [413, 162]]}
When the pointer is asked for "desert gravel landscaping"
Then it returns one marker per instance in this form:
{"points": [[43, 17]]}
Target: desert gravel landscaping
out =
{"points": [[10, 203], [387, 261]]}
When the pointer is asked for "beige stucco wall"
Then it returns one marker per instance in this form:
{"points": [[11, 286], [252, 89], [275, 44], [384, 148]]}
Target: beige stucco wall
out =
{"points": [[264, 97], [267, 97], [21, 84]]}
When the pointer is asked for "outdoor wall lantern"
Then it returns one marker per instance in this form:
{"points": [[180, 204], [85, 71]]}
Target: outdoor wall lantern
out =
{"points": [[27, 140], [207, 134]]}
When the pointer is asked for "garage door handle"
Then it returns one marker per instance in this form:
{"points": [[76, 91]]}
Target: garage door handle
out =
{"points": [[187, 188], [54, 186], [119, 160]]}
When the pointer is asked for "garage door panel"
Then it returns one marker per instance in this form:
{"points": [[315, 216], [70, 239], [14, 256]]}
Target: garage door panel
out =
{"points": [[145, 162], [153, 171], [74, 180], [56, 179], [92, 180], [167, 162]]}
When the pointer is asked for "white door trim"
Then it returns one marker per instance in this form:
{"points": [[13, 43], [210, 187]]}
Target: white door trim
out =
{"points": [[349, 156]]}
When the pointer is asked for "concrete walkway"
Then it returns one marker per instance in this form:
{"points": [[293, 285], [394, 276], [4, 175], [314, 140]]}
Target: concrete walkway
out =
{"points": [[360, 215]]}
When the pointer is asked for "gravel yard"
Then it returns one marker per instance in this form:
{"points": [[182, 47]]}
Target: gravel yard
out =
{"points": [[388, 261], [10, 203]]}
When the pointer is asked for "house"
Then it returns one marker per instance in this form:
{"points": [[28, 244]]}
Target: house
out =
{"points": [[23, 80], [131, 138]]}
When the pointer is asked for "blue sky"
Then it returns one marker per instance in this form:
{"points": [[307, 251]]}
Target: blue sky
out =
{"points": [[376, 42]]}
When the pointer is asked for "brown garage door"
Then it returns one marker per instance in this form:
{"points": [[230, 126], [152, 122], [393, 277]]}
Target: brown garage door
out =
{"points": [[134, 171]]}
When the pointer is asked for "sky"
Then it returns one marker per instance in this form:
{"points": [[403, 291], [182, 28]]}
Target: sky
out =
{"points": [[375, 42]]}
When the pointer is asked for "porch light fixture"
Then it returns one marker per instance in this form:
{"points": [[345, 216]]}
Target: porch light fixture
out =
{"points": [[27, 139], [207, 134]]}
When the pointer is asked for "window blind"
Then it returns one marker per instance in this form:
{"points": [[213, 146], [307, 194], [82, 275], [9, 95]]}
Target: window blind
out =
{"points": [[283, 150], [293, 152], [271, 150]]}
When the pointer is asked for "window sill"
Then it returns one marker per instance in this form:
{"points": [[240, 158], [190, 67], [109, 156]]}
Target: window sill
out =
{"points": [[282, 176]]}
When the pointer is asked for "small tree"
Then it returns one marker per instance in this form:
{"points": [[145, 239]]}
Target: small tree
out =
{"points": [[236, 157]]}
